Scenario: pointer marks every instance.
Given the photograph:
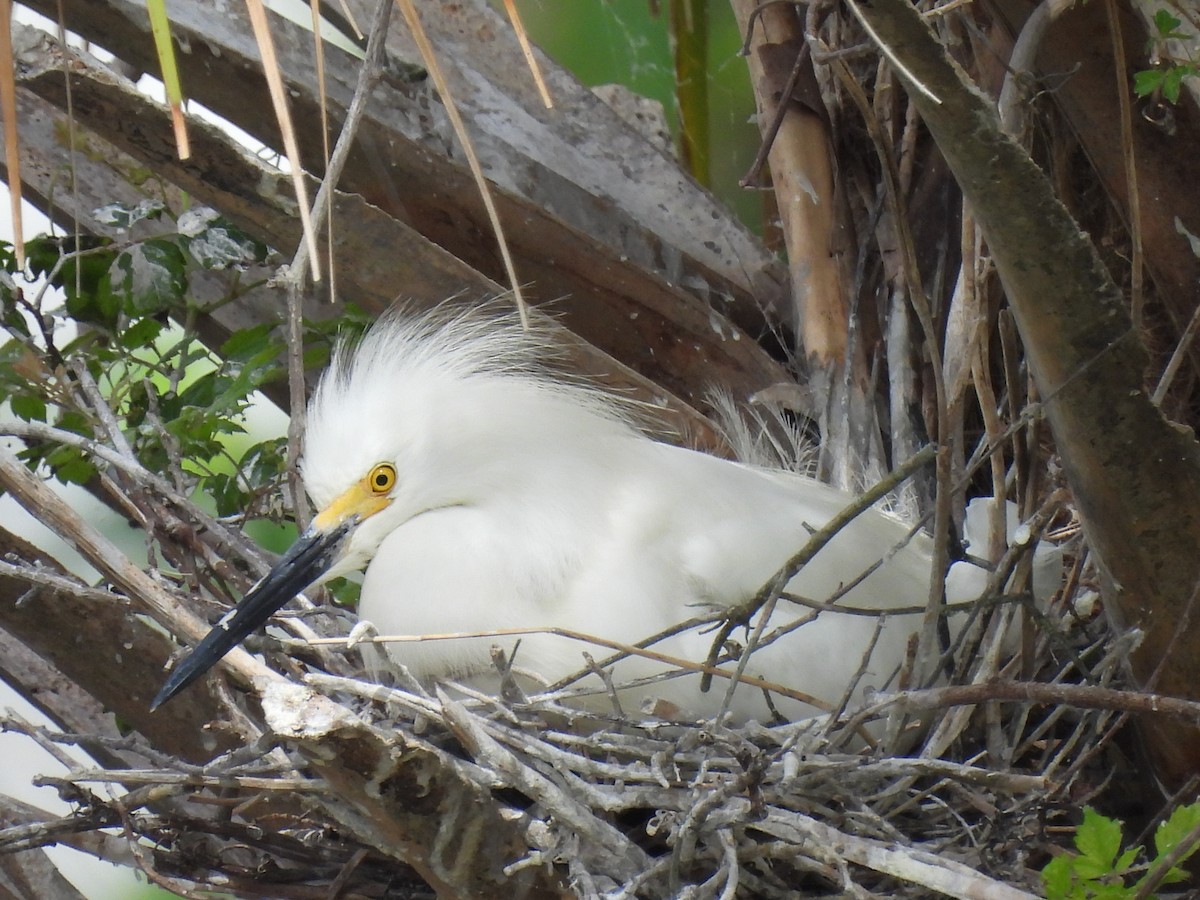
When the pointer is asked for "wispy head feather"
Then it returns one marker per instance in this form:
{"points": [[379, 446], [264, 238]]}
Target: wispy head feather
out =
{"points": [[469, 373]]}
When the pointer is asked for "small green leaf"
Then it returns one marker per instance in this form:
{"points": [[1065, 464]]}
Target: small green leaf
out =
{"points": [[246, 343], [1172, 83], [122, 216], [85, 281], [216, 243], [1182, 821], [1147, 82], [1166, 25], [153, 276], [1058, 877], [226, 493], [1125, 860], [28, 407], [1092, 868], [70, 466], [345, 592], [41, 253], [142, 333], [1098, 839]]}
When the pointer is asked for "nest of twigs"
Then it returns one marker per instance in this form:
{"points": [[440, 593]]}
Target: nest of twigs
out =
{"points": [[955, 789]]}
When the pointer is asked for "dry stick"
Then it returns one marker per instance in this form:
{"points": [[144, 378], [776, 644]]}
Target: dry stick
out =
{"points": [[368, 77], [686, 836], [1023, 453], [72, 150], [1119, 723], [1136, 294], [752, 642], [337, 887], [920, 303], [628, 857], [1013, 112], [1021, 61], [1162, 868], [504, 736], [45, 505], [891, 57], [907, 864], [1176, 360], [773, 588], [782, 107], [1186, 791], [709, 669], [325, 203], [224, 538], [40, 578], [138, 777], [1077, 696]]}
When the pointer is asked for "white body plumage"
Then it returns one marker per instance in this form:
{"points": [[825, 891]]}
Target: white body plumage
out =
{"points": [[522, 501]]}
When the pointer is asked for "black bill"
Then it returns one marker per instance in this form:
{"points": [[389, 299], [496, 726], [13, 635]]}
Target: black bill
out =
{"points": [[305, 561]]}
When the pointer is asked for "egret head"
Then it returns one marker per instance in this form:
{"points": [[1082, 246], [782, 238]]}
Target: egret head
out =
{"points": [[424, 413]]}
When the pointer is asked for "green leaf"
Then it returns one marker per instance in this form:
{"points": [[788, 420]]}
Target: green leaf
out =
{"points": [[1058, 877], [226, 493], [85, 281], [1182, 821], [12, 319], [271, 536], [1166, 25], [1147, 81], [69, 465], [41, 254], [345, 592], [153, 276], [1172, 83], [216, 243], [1125, 860], [142, 333], [28, 407], [122, 216], [75, 422], [246, 343], [96, 304], [225, 247], [1098, 840], [1091, 869]]}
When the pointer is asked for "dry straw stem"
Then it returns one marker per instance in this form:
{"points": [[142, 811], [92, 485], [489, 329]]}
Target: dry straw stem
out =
{"points": [[429, 57], [8, 108], [283, 115]]}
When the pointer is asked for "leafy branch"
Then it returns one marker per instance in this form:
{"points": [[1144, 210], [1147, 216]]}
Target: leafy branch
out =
{"points": [[1100, 870]]}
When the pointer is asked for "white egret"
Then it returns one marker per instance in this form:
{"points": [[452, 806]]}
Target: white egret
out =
{"points": [[480, 492]]}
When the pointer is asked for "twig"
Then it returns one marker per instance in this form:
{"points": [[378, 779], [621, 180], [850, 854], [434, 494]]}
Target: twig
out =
{"points": [[812, 546], [1162, 867], [1078, 696], [151, 598], [224, 538]]}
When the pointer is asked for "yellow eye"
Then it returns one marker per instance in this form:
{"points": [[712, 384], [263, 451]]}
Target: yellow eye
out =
{"points": [[382, 478]]}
